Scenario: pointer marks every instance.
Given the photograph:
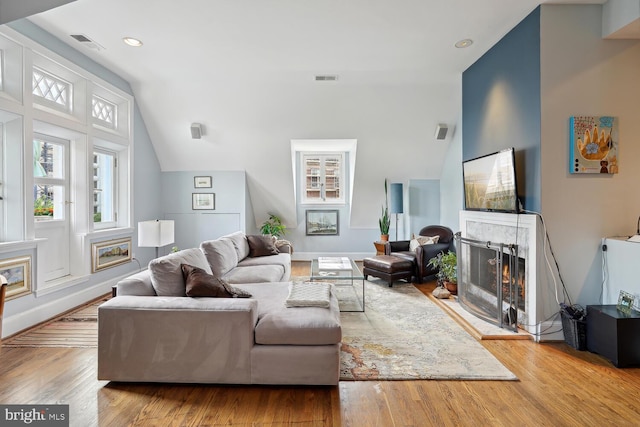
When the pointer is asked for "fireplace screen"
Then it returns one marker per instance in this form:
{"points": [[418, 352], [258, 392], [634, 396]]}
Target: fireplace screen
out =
{"points": [[491, 281]]}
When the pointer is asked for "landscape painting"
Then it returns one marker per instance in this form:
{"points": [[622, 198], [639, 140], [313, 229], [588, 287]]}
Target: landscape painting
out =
{"points": [[110, 253], [17, 271], [322, 222]]}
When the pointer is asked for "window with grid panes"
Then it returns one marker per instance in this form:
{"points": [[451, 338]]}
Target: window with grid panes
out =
{"points": [[104, 111], [322, 178], [52, 89]]}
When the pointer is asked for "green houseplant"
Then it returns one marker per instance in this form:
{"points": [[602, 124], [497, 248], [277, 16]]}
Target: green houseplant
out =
{"points": [[273, 226], [385, 220], [447, 265]]}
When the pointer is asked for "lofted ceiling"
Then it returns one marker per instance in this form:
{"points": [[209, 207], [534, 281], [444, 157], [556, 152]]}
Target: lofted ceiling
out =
{"points": [[245, 70]]}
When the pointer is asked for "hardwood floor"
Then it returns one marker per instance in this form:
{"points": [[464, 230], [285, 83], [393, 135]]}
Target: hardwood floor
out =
{"points": [[558, 386]]}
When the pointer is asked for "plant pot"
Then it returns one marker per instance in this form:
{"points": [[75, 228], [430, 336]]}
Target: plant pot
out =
{"points": [[384, 237], [451, 287]]}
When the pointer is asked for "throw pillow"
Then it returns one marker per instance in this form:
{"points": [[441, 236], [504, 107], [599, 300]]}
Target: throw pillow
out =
{"points": [[221, 255], [199, 283], [166, 275], [261, 246], [422, 240]]}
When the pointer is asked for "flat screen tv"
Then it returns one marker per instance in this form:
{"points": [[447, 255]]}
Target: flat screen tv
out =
{"points": [[490, 182]]}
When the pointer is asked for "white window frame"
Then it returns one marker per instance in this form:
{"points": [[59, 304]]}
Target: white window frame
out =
{"points": [[113, 124], [22, 114], [66, 107], [322, 179], [113, 189]]}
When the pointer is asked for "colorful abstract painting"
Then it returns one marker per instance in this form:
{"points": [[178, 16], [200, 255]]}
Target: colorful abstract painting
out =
{"points": [[593, 144]]}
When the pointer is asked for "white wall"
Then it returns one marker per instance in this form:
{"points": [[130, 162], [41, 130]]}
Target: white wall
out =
{"points": [[582, 74], [451, 194]]}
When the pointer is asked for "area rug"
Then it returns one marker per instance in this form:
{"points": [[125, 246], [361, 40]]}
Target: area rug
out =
{"points": [[77, 329], [402, 335]]}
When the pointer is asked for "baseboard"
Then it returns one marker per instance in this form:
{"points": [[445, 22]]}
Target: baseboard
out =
{"points": [[19, 322], [549, 331]]}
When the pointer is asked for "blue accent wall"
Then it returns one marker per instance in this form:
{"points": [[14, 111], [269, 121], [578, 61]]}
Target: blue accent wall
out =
{"points": [[501, 105]]}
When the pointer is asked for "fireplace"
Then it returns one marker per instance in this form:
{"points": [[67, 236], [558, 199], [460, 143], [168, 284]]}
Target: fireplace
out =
{"points": [[491, 281], [533, 292]]}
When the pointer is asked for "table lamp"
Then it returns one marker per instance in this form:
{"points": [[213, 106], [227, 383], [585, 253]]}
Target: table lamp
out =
{"points": [[155, 233]]}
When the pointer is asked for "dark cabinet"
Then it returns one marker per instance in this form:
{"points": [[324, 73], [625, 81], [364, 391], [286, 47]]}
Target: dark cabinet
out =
{"points": [[614, 334]]}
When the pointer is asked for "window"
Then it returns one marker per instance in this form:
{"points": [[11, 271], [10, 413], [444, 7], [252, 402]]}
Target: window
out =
{"points": [[322, 179], [104, 188], [50, 179], [52, 89], [104, 111]]}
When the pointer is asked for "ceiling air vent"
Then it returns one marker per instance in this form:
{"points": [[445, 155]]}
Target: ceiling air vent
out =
{"points": [[87, 42], [326, 78]]}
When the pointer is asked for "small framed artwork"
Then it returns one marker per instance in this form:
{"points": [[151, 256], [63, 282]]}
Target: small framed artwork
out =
{"points": [[625, 302], [203, 201], [593, 145], [202, 182], [110, 253], [17, 271], [322, 222]]}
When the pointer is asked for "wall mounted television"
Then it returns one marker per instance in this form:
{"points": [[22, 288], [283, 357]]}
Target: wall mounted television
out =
{"points": [[490, 182]]}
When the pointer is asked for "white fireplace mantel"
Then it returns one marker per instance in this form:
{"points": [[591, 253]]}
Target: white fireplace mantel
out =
{"points": [[526, 231]]}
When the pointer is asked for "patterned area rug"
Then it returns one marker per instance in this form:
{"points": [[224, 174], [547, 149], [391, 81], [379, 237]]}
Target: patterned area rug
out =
{"points": [[403, 335], [77, 329]]}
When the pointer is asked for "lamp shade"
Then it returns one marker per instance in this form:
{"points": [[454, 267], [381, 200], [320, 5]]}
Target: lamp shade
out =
{"points": [[155, 233], [396, 198]]}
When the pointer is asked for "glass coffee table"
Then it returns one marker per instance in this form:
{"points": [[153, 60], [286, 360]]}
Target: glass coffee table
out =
{"points": [[344, 273]]}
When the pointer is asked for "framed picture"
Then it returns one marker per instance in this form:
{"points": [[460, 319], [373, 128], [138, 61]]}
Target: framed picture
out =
{"points": [[322, 222], [593, 144], [203, 201], [625, 302], [17, 271], [202, 182], [110, 253]]}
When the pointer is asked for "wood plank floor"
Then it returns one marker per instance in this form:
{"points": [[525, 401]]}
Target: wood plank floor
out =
{"points": [[558, 386]]}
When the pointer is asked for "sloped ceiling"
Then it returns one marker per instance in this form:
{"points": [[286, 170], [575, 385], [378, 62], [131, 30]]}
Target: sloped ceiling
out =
{"points": [[245, 70]]}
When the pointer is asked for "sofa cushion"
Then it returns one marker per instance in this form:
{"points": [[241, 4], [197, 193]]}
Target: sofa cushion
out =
{"points": [[261, 246], [239, 240], [199, 283], [279, 325], [255, 274], [221, 255], [166, 273]]}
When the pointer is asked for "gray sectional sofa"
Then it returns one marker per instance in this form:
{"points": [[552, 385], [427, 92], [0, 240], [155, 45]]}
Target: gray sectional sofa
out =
{"points": [[153, 332]]}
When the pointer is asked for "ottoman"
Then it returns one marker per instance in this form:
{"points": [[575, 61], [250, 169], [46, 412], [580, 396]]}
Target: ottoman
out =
{"points": [[388, 267]]}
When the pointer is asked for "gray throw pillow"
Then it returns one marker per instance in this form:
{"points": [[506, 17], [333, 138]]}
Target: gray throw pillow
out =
{"points": [[166, 273], [240, 243], [221, 255]]}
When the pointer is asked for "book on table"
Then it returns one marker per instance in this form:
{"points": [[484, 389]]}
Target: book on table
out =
{"points": [[334, 263]]}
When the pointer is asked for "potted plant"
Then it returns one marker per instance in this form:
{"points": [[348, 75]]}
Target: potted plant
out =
{"points": [[273, 227], [385, 219], [447, 265]]}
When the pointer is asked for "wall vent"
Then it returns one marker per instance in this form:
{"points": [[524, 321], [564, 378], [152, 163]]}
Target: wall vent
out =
{"points": [[326, 78], [87, 42]]}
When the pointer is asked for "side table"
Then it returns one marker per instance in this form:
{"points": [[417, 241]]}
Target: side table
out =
{"points": [[379, 247], [614, 334]]}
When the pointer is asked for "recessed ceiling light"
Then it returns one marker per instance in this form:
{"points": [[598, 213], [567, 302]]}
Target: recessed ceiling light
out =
{"points": [[132, 41], [464, 43]]}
